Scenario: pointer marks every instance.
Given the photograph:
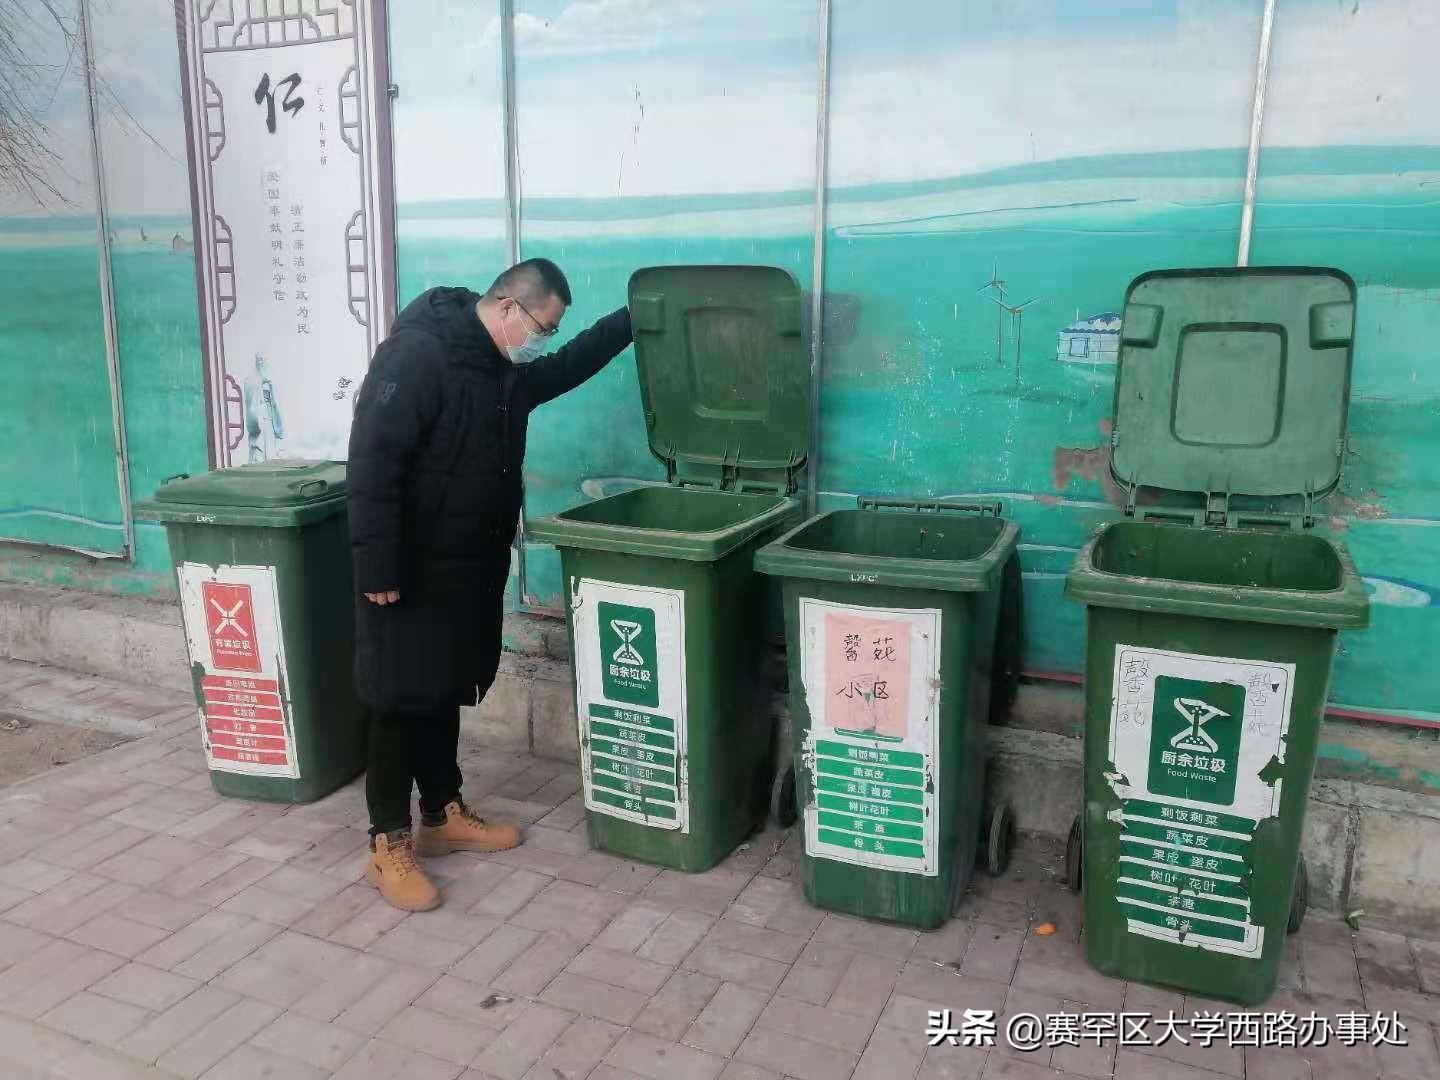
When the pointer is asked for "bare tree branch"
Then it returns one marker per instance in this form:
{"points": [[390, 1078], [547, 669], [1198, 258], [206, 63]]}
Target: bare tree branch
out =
{"points": [[30, 161]]}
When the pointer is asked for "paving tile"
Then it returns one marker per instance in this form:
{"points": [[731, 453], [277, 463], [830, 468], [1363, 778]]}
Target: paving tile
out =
{"points": [[512, 894], [725, 1021], [148, 987], [313, 1042], [952, 1063], [50, 975], [369, 926], [993, 953], [177, 1023], [248, 1062], [496, 953], [523, 1042], [650, 1057], [891, 1055], [95, 1018], [211, 1043], [577, 911], [799, 1058], [532, 970], [865, 987], [408, 944], [70, 904], [378, 1060], [1420, 1060], [805, 1021], [946, 945], [461, 1000], [121, 936], [1272, 1063], [383, 1001], [730, 966], [228, 949], [631, 928], [755, 940], [577, 1052], [630, 878], [891, 942], [670, 1012], [1331, 970], [440, 1036], [19, 942], [738, 1070], [710, 892], [157, 909], [32, 875], [620, 969], [817, 972], [1088, 986], [1009, 1068], [591, 998], [673, 940]]}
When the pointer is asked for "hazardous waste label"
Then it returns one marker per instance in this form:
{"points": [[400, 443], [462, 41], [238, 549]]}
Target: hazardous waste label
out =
{"points": [[1190, 736], [630, 696], [871, 679], [232, 630]]}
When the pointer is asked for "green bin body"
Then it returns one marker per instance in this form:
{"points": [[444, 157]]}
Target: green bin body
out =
{"points": [[1211, 624], [891, 618], [262, 563], [668, 620]]}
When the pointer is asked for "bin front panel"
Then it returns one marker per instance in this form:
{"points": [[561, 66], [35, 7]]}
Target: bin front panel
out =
{"points": [[871, 677], [631, 701], [1192, 742], [237, 653]]}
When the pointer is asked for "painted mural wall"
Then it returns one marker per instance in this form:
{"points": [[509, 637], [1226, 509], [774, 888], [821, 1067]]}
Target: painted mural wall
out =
{"points": [[58, 481], [998, 174]]}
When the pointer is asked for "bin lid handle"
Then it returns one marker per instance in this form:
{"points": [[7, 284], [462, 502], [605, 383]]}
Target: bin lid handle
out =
{"points": [[984, 508]]}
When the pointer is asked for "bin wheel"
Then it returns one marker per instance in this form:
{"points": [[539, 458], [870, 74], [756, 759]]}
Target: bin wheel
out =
{"points": [[782, 798], [1001, 840], [1299, 899], [1074, 855]]}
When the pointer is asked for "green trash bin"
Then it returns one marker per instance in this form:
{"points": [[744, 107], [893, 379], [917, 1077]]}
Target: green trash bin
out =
{"points": [[262, 562], [666, 615], [1211, 624], [892, 611]]}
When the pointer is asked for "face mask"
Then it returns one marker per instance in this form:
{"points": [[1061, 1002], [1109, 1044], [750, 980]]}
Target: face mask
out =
{"points": [[530, 349]]}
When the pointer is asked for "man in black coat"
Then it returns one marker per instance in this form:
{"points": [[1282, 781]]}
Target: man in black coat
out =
{"points": [[436, 452]]}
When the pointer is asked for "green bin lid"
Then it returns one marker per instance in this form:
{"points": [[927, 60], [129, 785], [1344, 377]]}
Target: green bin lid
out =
{"points": [[724, 373], [1234, 381], [285, 492]]}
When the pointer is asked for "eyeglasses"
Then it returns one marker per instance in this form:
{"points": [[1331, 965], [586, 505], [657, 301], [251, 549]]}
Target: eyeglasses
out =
{"points": [[545, 331]]}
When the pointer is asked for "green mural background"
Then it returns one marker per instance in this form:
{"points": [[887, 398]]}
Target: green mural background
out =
{"points": [[1041, 154]]}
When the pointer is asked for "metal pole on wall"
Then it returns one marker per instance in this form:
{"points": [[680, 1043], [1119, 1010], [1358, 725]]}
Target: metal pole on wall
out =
{"points": [[512, 225], [107, 288], [1257, 124], [817, 257]]}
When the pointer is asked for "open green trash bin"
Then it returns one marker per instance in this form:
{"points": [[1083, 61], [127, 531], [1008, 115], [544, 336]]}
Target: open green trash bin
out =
{"points": [[1211, 625], [262, 562], [665, 611], [892, 611]]}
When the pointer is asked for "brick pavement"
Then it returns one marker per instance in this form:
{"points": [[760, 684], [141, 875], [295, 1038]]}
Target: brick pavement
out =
{"points": [[150, 928]]}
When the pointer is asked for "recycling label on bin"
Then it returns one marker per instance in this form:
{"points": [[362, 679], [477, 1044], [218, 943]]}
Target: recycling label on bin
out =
{"points": [[630, 698], [872, 688], [232, 631], [1190, 739]]}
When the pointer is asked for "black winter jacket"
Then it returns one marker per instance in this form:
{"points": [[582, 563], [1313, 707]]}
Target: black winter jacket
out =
{"points": [[436, 451]]}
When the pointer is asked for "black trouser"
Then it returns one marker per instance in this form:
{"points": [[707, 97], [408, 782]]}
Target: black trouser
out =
{"points": [[411, 747]]}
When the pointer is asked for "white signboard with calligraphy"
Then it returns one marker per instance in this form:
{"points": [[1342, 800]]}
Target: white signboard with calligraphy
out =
{"points": [[290, 163]]}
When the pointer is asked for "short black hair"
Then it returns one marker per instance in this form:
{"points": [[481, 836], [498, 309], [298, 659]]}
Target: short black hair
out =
{"points": [[531, 282]]}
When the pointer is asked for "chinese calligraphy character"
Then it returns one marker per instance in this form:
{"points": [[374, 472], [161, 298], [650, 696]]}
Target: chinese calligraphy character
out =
{"points": [[291, 104]]}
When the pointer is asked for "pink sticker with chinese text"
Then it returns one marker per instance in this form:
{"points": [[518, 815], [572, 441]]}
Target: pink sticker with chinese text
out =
{"points": [[867, 674]]}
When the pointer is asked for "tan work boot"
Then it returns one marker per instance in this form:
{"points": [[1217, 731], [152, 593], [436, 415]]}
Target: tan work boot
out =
{"points": [[392, 869], [464, 830]]}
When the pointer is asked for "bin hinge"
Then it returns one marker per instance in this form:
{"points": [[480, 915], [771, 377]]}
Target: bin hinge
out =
{"points": [[1217, 508], [981, 507]]}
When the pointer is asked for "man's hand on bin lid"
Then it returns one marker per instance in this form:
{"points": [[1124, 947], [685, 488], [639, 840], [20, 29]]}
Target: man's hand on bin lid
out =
{"points": [[383, 598]]}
